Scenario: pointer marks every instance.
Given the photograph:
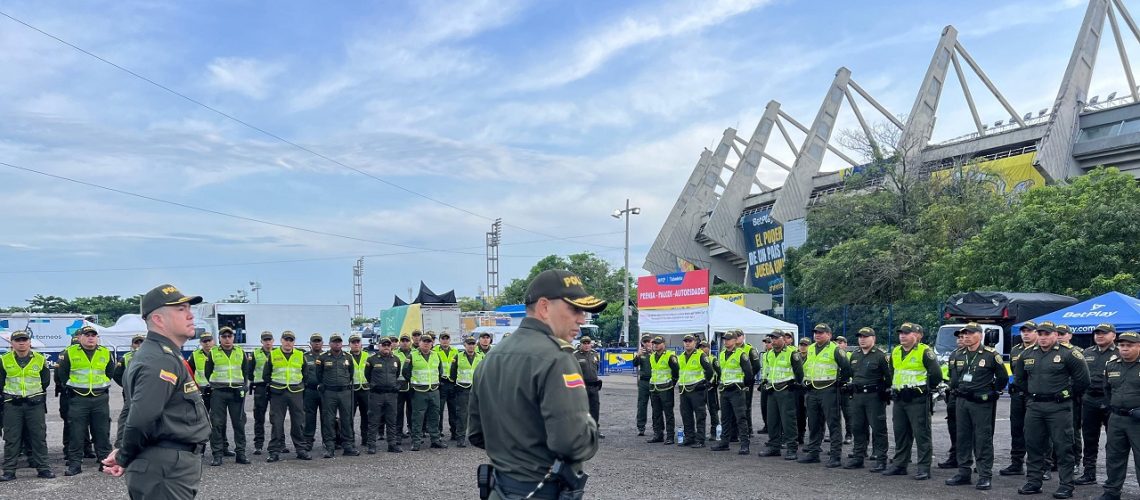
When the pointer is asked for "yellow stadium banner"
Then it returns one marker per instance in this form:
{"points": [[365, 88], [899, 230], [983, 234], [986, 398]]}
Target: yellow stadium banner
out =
{"points": [[735, 298], [1005, 175]]}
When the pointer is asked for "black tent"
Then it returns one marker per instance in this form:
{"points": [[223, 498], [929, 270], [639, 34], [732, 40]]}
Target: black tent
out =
{"points": [[399, 302], [426, 296]]}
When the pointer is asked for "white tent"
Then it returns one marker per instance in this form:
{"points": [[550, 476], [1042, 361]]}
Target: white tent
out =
{"points": [[720, 316], [724, 316], [119, 335]]}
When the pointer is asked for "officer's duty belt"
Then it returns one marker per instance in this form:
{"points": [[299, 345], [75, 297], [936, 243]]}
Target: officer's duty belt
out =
{"points": [[180, 446], [384, 390], [235, 389], [864, 389], [337, 387], [1049, 398], [424, 388], [94, 394], [811, 384], [781, 386], [1124, 412], [983, 398], [550, 489], [1096, 393], [20, 400]]}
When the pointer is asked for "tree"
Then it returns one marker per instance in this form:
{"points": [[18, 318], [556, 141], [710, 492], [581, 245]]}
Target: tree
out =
{"points": [[597, 276], [109, 308], [49, 304], [728, 287], [362, 321], [469, 304]]}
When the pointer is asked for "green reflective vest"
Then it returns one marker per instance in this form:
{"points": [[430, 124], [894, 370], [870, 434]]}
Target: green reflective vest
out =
{"points": [[820, 369], [288, 370], [358, 380], [465, 373], [909, 370], [405, 385], [200, 368], [730, 371], [778, 367], [23, 382], [446, 359], [691, 372], [661, 374], [425, 371], [127, 359], [259, 358], [89, 374], [227, 368]]}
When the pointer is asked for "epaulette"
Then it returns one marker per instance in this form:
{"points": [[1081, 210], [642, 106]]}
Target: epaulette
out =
{"points": [[990, 349]]}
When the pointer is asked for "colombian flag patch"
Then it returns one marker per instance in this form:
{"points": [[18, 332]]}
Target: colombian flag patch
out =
{"points": [[573, 380], [168, 376]]}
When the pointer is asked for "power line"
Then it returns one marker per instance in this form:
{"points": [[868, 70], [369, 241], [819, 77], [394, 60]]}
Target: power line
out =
{"points": [[266, 132]]}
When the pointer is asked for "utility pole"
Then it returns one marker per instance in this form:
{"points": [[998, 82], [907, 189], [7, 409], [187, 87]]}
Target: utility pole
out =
{"points": [[255, 287], [494, 236], [618, 214], [358, 288]]}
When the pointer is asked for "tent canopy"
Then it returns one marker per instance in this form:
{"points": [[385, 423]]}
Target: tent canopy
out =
{"points": [[722, 316], [426, 296], [1114, 308]]}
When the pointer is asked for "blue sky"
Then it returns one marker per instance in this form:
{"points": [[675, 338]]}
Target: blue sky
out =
{"points": [[548, 115]]}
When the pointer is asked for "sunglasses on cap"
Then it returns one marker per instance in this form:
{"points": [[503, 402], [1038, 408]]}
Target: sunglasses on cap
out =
{"points": [[587, 341], [226, 335], [689, 340], [139, 341], [354, 341], [90, 334]]}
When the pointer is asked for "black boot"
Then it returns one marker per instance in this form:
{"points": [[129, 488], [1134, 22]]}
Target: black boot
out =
{"points": [[743, 448], [922, 474], [658, 438], [879, 467], [1015, 469], [854, 463], [959, 479], [950, 463], [1088, 477], [461, 443]]}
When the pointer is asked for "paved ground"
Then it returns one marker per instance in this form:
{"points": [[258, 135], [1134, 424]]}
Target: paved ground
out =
{"points": [[625, 467]]}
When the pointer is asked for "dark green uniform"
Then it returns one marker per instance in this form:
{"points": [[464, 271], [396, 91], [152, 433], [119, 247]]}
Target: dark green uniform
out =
{"points": [[447, 402], [1052, 378], [463, 373], [228, 373], [312, 399], [1094, 408], [661, 399], [334, 373], [89, 403], [1016, 414], [286, 396], [528, 408], [753, 359], [823, 401], [692, 388], [588, 363], [868, 391], [1122, 382], [360, 392], [733, 369], [260, 391], [915, 375], [25, 381], [166, 426], [644, 371], [404, 397], [120, 370], [425, 397], [976, 378], [712, 402], [384, 381], [781, 386]]}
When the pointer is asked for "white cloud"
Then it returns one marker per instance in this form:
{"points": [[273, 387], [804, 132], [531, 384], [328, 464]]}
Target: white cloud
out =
{"points": [[249, 77]]}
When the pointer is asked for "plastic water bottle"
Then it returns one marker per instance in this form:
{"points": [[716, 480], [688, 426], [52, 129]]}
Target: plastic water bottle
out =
{"points": [[680, 435], [718, 432]]}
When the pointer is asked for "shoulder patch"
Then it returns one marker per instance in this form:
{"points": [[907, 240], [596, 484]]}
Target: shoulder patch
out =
{"points": [[1078, 354], [168, 376], [167, 350], [573, 380], [990, 349]]}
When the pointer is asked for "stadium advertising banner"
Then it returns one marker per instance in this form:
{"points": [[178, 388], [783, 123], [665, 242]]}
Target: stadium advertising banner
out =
{"points": [[764, 241], [1012, 175], [673, 290]]}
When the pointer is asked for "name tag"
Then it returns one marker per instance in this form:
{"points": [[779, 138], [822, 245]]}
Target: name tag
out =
{"points": [[1113, 374], [969, 377]]}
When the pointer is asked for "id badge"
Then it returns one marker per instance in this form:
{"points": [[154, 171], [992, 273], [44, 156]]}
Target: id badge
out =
{"points": [[969, 377]]}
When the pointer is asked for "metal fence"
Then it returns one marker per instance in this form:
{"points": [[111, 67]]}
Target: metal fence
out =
{"points": [[847, 319]]}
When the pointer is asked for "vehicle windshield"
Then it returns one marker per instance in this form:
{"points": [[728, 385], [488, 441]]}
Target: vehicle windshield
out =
{"points": [[946, 342]]}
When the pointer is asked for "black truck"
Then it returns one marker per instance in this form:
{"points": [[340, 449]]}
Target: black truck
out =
{"points": [[997, 312]]}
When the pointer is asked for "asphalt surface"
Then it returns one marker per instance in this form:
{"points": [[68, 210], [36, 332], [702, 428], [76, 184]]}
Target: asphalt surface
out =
{"points": [[625, 467]]}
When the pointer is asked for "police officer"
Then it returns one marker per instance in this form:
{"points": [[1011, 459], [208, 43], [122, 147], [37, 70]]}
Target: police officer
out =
{"points": [[284, 373], [1028, 332], [951, 461], [120, 369], [423, 370], [767, 345], [198, 365], [24, 377], [826, 369], [801, 397], [588, 361], [447, 355], [166, 426], [228, 369], [644, 372], [977, 377], [915, 376], [484, 343], [733, 369], [844, 401], [86, 369], [1122, 382], [463, 373], [695, 373], [1094, 406], [64, 395], [334, 374], [661, 384], [712, 398], [312, 393], [753, 356], [360, 391], [384, 381], [528, 404], [783, 373], [260, 390], [404, 397], [1052, 376], [869, 393]]}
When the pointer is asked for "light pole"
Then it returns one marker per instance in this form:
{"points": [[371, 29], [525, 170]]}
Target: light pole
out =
{"points": [[255, 287], [618, 214]]}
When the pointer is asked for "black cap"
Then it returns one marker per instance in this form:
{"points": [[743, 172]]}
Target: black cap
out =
{"points": [[335, 338], [1046, 326], [162, 296], [266, 335], [225, 330], [906, 328], [1063, 329], [822, 327], [485, 334], [559, 284], [426, 338], [728, 335], [288, 335], [1128, 337], [688, 338], [316, 337], [1028, 325], [1105, 327], [866, 332], [20, 335], [445, 335], [385, 341], [658, 340]]}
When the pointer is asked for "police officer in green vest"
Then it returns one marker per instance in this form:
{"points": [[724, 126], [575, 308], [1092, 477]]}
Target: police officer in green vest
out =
{"points": [[977, 377], [313, 404], [447, 355], [334, 373], [695, 375], [260, 390], [484, 343], [284, 373], [166, 426], [712, 397], [360, 387], [733, 369], [64, 396], [198, 365], [869, 393], [463, 373], [228, 368], [844, 400], [644, 372], [385, 379], [120, 369], [404, 397], [1122, 385], [782, 373], [86, 369], [424, 370], [1052, 376], [1094, 406], [826, 369], [588, 361], [661, 384], [24, 378], [1028, 331], [753, 359], [916, 375]]}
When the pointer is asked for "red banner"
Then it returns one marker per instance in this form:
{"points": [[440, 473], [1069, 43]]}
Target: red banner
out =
{"points": [[666, 291]]}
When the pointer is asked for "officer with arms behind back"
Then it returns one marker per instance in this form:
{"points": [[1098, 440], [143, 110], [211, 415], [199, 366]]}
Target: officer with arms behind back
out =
{"points": [[528, 402], [24, 378], [977, 377], [1122, 383], [1094, 407], [166, 425]]}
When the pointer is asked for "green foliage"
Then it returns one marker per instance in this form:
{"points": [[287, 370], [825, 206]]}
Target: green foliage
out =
{"points": [[469, 304], [725, 288], [108, 308], [361, 321]]}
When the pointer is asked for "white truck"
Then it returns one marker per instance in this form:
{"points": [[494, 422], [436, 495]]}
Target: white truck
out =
{"points": [[249, 320], [51, 333]]}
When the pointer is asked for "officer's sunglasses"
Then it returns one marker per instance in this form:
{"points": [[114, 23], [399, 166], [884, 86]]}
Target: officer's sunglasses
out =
{"points": [[689, 340], [136, 342], [354, 342], [90, 334]]}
